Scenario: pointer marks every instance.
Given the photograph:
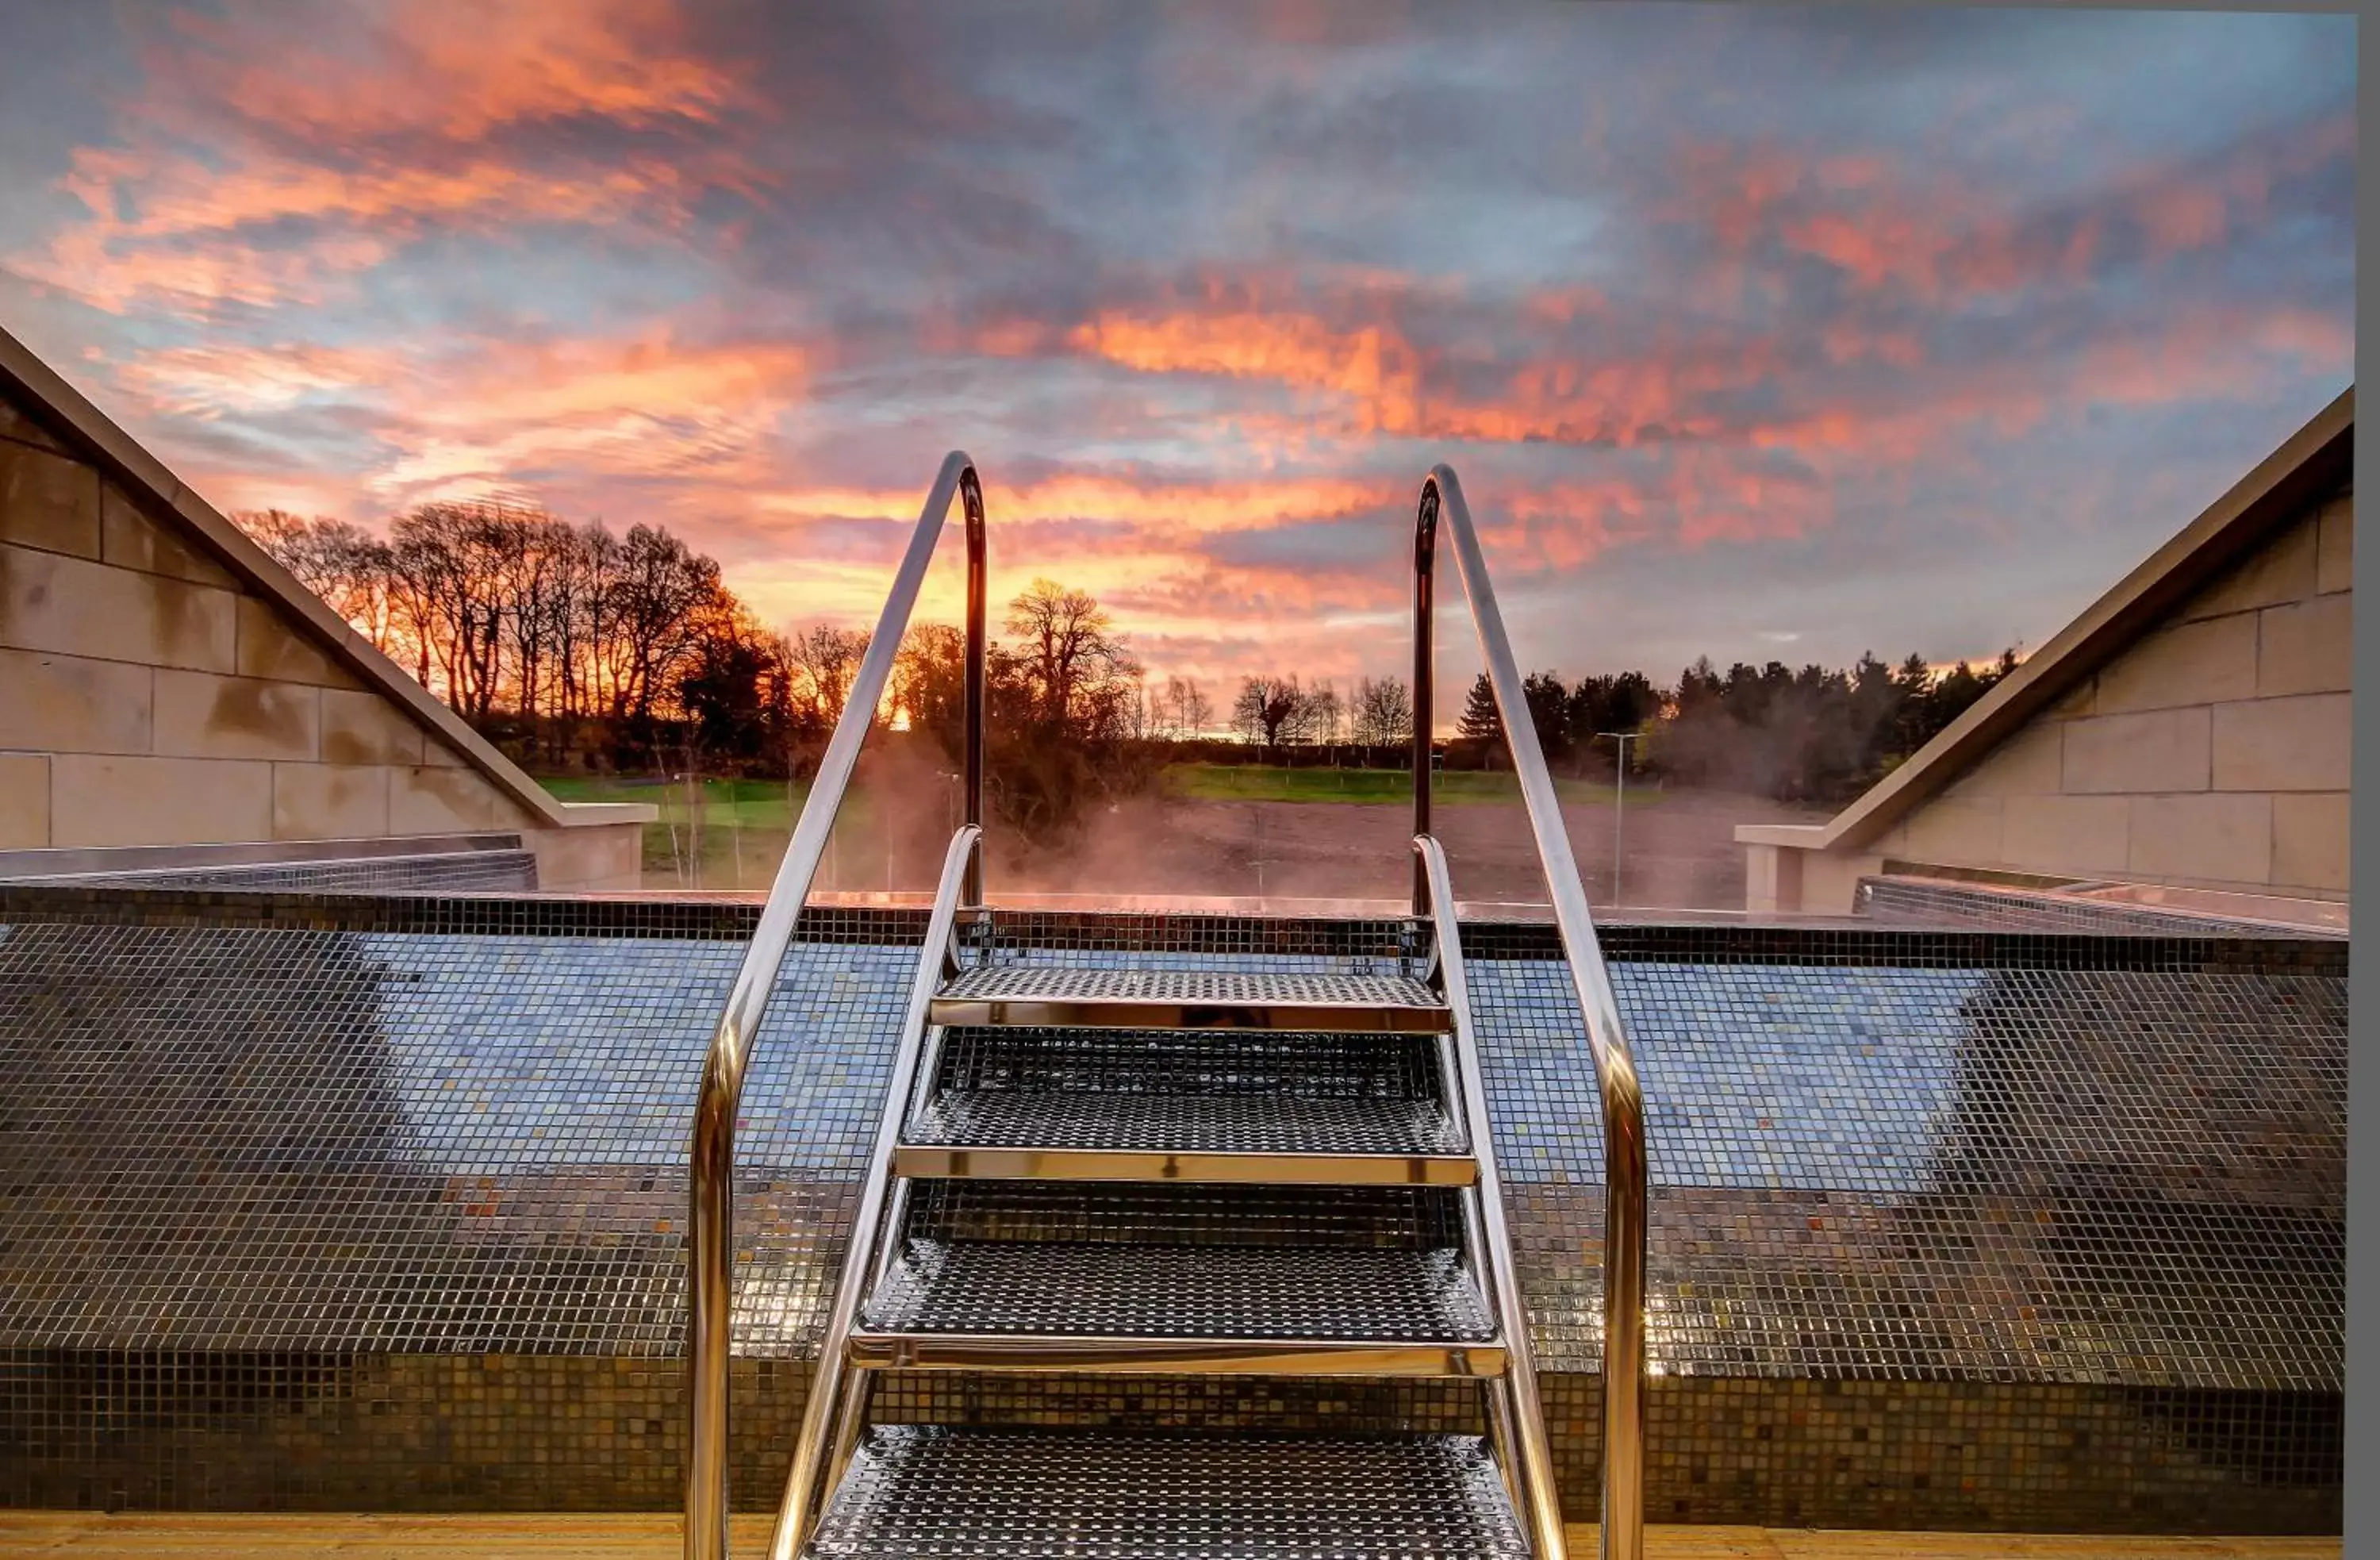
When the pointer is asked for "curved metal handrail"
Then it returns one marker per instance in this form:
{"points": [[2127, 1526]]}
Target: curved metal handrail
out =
{"points": [[1615, 1064], [710, 1251], [804, 1486], [1541, 1496]]}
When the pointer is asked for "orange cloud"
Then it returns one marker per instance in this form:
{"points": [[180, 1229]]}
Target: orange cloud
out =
{"points": [[1734, 191], [185, 248], [1379, 377], [1939, 238], [1578, 399], [2212, 352], [462, 69], [2183, 217], [188, 217], [1848, 341], [648, 406], [2195, 208], [473, 415], [207, 381], [87, 264], [1186, 507], [1371, 365]]}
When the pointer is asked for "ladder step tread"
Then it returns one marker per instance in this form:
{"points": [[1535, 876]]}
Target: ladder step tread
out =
{"points": [[1123, 1289], [1199, 1167], [1158, 1105], [1040, 995], [1184, 1124], [915, 1490], [1305, 1358]]}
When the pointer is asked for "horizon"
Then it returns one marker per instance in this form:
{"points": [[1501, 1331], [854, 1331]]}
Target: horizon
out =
{"points": [[1760, 334]]}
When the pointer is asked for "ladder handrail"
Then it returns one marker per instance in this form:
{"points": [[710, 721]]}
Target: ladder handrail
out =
{"points": [[1542, 1496], [710, 1250], [1615, 1064], [804, 1491]]}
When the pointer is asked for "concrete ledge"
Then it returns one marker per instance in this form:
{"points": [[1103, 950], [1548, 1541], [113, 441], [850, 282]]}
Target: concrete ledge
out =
{"points": [[594, 814], [59, 863]]}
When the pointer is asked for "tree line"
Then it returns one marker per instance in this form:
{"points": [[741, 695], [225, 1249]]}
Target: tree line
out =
{"points": [[575, 647], [518, 619], [572, 647], [1815, 735]]}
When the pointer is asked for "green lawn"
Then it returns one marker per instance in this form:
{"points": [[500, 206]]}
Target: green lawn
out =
{"points": [[731, 834], [1224, 782], [753, 804]]}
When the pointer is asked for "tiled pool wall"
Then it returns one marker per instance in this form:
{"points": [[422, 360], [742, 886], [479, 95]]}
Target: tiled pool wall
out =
{"points": [[332, 1202], [497, 1431]]}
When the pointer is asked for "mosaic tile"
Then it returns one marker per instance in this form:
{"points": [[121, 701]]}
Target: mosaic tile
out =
{"points": [[280, 1172]]}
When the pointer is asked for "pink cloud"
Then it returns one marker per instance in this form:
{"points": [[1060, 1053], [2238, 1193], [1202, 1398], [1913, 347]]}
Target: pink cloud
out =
{"points": [[371, 146], [458, 69]]}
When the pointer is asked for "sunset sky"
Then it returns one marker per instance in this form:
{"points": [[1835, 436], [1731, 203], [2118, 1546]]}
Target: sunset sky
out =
{"points": [[1753, 331]]}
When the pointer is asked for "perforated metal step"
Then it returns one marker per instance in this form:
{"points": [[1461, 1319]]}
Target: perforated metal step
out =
{"points": [[1051, 997], [916, 1491], [1078, 1105], [1035, 1212], [1184, 1292], [1348, 1281]]}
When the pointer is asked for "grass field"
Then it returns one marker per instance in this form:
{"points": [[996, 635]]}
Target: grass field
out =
{"points": [[1228, 782], [754, 804], [731, 834], [727, 834]]}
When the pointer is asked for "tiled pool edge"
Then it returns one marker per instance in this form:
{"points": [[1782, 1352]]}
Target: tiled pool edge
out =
{"points": [[465, 1429], [669, 919], [547, 1433]]}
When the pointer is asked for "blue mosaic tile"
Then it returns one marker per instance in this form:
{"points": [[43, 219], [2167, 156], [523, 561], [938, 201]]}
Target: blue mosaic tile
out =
{"points": [[274, 1139]]}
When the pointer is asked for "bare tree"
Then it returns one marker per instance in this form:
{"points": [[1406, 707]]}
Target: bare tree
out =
{"points": [[1080, 672], [1319, 720], [344, 564], [449, 570], [1180, 710], [1383, 711], [929, 681], [1268, 709], [825, 660], [660, 599], [536, 565]]}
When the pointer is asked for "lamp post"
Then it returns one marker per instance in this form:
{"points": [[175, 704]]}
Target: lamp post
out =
{"points": [[950, 798], [1618, 806]]}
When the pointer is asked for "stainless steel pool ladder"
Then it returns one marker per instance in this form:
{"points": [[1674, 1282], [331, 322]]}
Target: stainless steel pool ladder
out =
{"points": [[1088, 1169]]}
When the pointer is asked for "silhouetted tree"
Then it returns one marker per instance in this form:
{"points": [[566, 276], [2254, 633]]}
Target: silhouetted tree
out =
{"points": [[1181, 711], [1479, 731], [1062, 720], [1320, 717], [570, 639], [725, 692], [1383, 712], [1079, 674], [1548, 702], [1267, 710]]}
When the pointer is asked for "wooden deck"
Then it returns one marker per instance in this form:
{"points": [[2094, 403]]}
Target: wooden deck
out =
{"points": [[220, 1535]]}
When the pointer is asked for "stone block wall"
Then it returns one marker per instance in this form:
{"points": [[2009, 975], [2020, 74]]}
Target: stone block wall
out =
{"points": [[2212, 753], [150, 697]]}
